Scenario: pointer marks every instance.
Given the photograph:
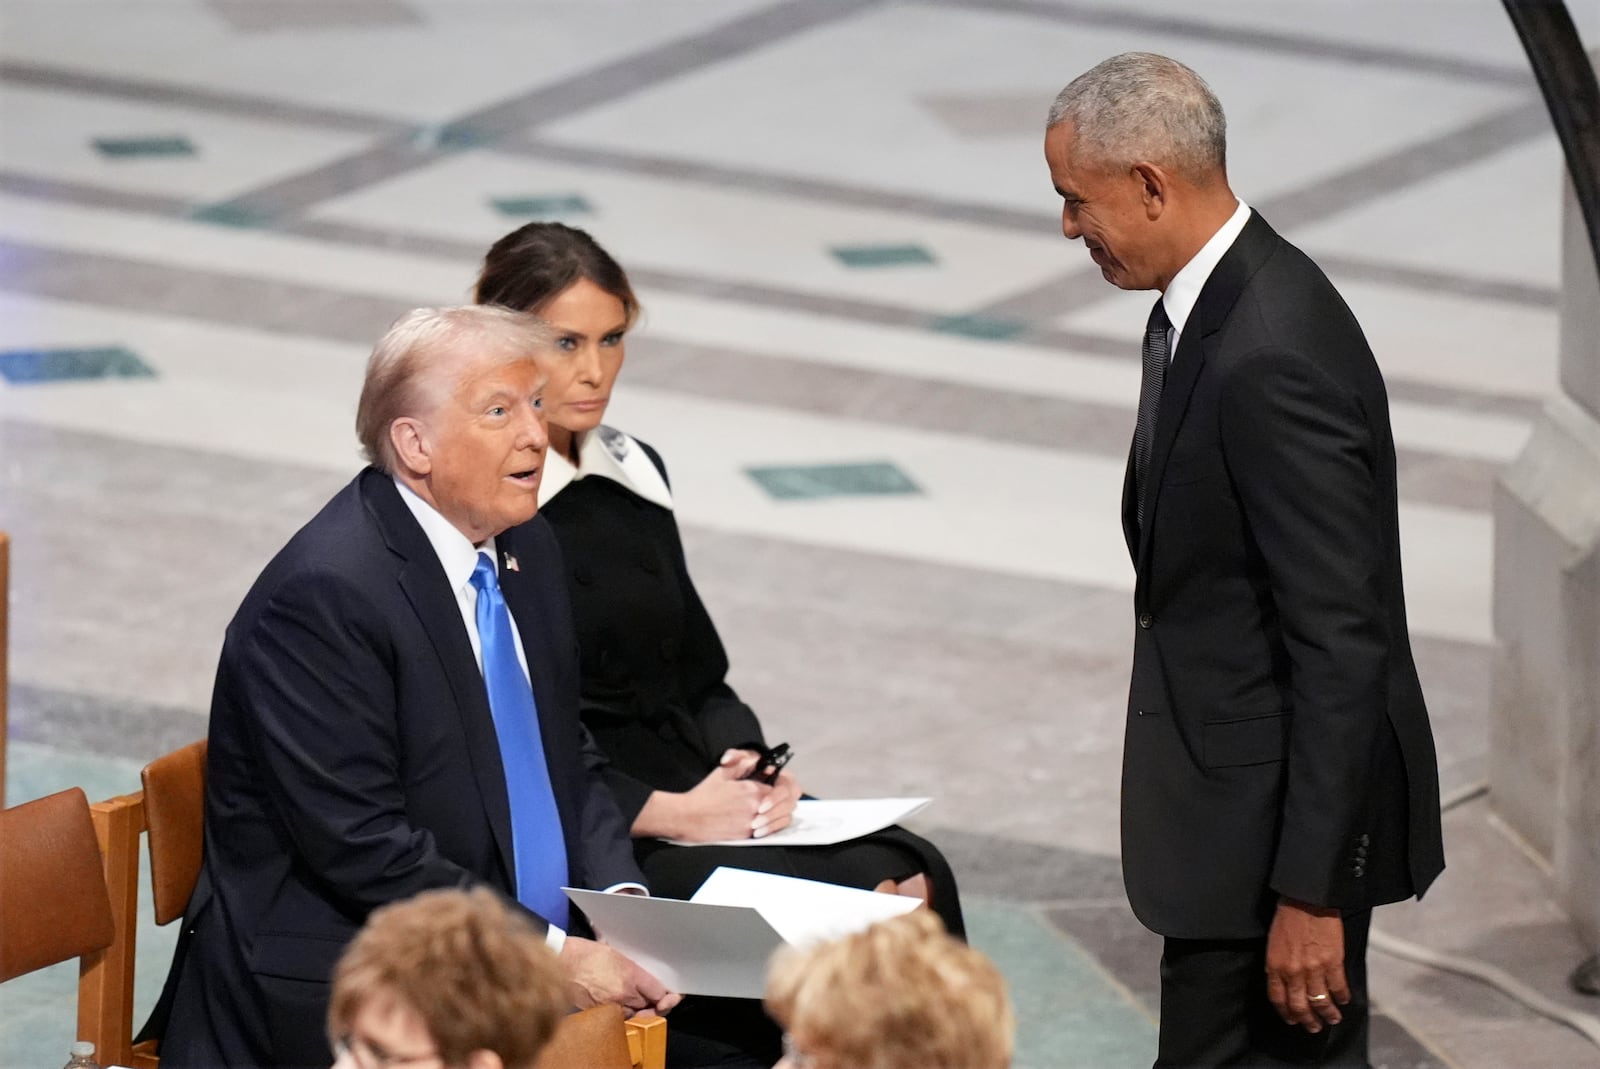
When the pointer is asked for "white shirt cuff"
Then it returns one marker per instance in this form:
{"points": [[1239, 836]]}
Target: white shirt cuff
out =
{"points": [[555, 938]]}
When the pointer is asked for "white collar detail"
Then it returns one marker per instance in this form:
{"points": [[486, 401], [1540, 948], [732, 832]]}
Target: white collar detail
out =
{"points": [[1183, 292], [610, 454]]}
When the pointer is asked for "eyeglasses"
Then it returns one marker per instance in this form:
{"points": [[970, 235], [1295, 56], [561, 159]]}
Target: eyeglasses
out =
{"points": [[368, 1056], [795, 1058]]}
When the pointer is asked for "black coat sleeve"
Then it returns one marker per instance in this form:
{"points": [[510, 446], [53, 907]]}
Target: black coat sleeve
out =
{"points": [[1300, 448]]}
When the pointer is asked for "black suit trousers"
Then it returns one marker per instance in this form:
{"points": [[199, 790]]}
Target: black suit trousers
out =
{"points": [[1215, 1013]]}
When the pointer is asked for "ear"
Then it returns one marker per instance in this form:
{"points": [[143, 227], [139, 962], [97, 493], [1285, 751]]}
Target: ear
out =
{"points": [[1154, 188], [484, 1059], [412, 448]]}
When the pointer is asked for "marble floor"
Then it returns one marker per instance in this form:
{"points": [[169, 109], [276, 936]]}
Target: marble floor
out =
{"points": [[895, 402]]}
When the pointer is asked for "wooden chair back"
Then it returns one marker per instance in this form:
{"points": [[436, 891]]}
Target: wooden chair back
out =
{"points": [[171, 809], [53, 900], [174, 814]]}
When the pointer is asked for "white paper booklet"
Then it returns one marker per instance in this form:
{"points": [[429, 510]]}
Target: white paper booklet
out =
{"points": [[825, 821], [719, 942]]}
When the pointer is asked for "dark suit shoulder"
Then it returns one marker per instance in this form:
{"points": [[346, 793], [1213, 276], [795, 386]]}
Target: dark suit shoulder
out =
{"points": [[340, 542]]}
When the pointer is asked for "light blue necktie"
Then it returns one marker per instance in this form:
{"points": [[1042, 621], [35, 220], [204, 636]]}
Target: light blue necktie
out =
{"points": [[537, 842]]}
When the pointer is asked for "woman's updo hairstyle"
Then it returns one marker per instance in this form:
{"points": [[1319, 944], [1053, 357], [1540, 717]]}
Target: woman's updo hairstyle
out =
{"points": [[534, 263]]}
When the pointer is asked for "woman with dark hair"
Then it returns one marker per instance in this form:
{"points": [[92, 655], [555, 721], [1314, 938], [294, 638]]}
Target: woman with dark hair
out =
{"points": [[679, 739]]}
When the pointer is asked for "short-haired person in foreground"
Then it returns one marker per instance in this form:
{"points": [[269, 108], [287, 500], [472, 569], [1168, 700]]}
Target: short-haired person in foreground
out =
{"points": [[1279, 777], [396, 710], [903, 994], [446, 980]]}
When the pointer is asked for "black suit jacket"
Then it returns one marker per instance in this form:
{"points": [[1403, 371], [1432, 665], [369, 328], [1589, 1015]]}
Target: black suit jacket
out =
{"points": [[1277, 741], [353, 761]]}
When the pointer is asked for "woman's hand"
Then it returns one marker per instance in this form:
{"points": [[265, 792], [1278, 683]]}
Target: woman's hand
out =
{"points": [[724, 805], [777, 809]]}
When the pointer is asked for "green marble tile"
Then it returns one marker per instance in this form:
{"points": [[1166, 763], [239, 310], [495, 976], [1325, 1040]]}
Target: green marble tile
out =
{"points": [[552, 206], [984, 328], [870, 256], [22, 367], [240, 216], [125, 148], [1070, 1013], [805, 482]]}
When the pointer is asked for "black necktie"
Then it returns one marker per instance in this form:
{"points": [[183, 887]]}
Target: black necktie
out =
{"points": [[1156, 359]]}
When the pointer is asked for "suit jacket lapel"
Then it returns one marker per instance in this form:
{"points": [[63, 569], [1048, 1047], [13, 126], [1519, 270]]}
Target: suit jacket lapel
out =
{"points": [[1217, 298], [422, 579]]}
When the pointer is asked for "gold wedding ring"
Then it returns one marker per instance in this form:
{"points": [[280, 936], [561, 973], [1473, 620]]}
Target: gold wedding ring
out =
{"points": [[1317, 998]]}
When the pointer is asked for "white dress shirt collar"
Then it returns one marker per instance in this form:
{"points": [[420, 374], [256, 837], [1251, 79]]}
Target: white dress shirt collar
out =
{"points": [[1184, 290], [610, 454], [456, 552]]}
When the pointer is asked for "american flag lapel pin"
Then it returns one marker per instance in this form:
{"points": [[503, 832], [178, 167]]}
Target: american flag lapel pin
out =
{"points": [[511, 564]]}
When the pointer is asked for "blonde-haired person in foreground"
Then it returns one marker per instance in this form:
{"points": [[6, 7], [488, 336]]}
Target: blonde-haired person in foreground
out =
{"points": [[446, 979], [901, 995]]}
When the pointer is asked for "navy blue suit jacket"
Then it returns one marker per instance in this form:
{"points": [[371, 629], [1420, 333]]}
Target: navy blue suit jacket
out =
{"points": [[353, 761]]}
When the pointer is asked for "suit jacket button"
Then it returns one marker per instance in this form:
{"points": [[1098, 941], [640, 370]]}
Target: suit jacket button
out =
{"points": [[1141, 712], [1365, 841], [1358, 872], [1145, 620]]}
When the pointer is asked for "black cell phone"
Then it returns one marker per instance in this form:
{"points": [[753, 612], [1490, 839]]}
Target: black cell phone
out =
{"points": [[771, 763]]}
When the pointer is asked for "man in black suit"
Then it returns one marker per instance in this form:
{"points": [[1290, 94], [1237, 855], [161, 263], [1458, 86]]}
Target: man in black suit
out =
{"points": [[359, 750], [1279, 777]]}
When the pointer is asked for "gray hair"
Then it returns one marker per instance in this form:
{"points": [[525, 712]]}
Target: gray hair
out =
{"points": [[1141, 107], [398, 381]]}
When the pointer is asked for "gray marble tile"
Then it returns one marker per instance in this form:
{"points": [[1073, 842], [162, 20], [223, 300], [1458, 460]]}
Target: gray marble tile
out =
{"points": [[800, 187], [291, 197], [1013, 871], [266, 16], [93, 724], [217, 102], [1203, 25], [197, 294], [128, 560], [982, 116]]}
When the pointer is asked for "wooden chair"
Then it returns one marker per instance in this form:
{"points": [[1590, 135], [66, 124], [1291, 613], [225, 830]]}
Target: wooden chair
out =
{"points": [[53, 901], [171, 809], [5, 645], [599, 1038]]}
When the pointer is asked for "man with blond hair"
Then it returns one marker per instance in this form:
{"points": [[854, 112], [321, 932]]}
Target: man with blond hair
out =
{"points": [[448, 978], [903, 994], [396, 710]]}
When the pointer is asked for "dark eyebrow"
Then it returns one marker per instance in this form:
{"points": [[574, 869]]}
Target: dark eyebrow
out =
{"points": [[618, 329]]}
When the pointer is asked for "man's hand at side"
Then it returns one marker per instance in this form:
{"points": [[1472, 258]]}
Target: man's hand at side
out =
{"points": [[1305, 958], [597, 974]]}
